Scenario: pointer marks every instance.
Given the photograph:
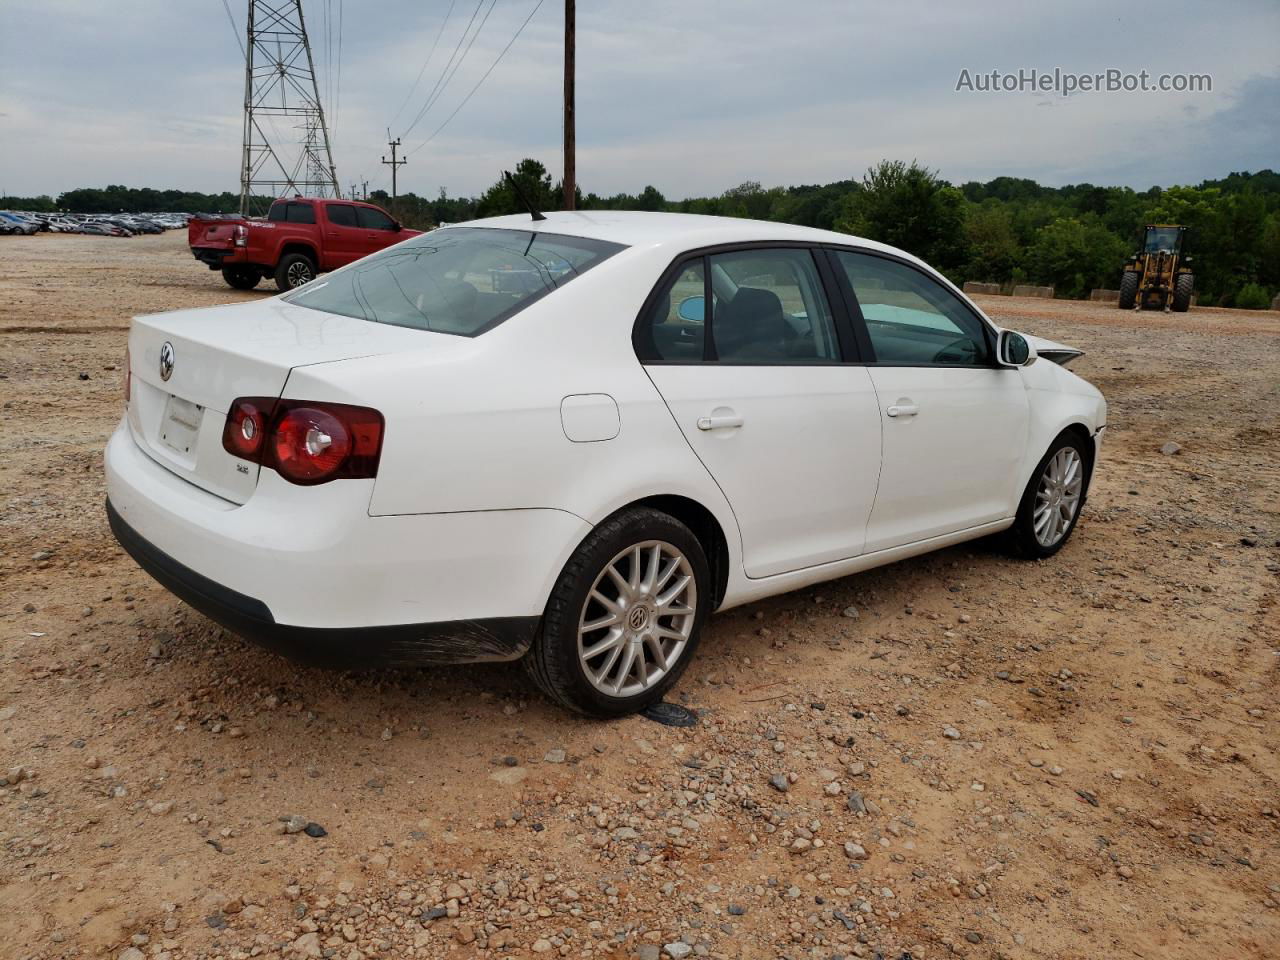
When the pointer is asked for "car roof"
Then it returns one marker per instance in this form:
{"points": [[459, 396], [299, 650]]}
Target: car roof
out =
{"points": [[687, 230]]}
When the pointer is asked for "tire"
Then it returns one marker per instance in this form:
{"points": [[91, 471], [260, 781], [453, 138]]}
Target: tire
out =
{"points": [[241, 278], [1022, 537], [556, 662], [293, 270], [1183, 288], [1128, 290]]}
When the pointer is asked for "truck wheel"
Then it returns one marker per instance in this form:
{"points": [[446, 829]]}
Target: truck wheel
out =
{"points": [[1183, 287], [1128, 290], [293, 270], [241, 278]]}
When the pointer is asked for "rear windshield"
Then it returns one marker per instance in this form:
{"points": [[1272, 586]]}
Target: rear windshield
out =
{"points": [[463, 280]]}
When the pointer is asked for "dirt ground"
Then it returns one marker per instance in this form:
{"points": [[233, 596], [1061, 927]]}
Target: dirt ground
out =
{"points": [[986, 758]]}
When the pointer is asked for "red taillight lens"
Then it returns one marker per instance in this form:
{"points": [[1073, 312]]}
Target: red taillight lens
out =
{"points": [[241, 233], [305, 442], [245, 431], [310, 444]]}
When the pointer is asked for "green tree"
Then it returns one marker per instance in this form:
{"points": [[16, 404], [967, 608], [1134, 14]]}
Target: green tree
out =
{"points": [[1075, 256], [910, 207], [535, 183], [993, 246]]}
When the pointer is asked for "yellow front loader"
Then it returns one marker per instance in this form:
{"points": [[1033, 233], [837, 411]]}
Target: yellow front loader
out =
{"points": [[1159, 275]]}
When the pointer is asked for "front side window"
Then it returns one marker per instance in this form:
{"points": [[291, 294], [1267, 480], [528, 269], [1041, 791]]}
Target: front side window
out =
{"points": [[910, 318], [461, 280], [766, 306], [372, 219]]}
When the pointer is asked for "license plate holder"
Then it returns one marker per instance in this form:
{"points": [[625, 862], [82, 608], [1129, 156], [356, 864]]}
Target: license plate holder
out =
{"points": [[180, 426]]}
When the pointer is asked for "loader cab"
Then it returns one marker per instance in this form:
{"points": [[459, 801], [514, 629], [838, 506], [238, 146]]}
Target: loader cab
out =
{"points": [[1163, 239]]}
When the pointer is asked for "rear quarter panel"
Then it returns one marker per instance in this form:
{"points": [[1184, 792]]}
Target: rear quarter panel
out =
{"points": [[481, 428]]}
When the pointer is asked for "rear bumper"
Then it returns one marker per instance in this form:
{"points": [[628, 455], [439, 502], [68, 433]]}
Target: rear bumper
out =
{"points": [[218, 257], [459, 641], [307, 571]]}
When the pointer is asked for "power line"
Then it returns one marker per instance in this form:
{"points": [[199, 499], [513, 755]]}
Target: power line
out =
{"points": [[479, 82], [337, 93], [431, 97], [234, 28], [425, 63]]}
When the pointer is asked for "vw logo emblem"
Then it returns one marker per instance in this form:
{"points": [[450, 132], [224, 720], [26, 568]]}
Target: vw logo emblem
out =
{"points": [[166, 360]]}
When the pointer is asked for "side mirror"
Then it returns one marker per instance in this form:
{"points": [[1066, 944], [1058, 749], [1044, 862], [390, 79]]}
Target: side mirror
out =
{"points": [[396, 226], [1015, 351], [692, 309]]}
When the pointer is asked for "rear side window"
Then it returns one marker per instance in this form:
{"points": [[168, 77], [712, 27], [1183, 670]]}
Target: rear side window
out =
{"points": [[461, 280], [292, 212], [302, 213], [912, 319], [341, 214], [372, 219], [766, 306]]}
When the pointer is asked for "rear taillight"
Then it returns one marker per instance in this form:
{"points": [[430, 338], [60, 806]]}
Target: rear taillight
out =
{"points": [[305, 442], [241, 235], [128, 375]]}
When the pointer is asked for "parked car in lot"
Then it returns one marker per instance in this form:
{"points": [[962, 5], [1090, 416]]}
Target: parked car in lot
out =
{"points": [[412, 461], [299, 239], [103, 228], [13, 223]]}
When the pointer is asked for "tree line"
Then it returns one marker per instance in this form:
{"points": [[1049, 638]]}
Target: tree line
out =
{"points": [[1007, 230]]}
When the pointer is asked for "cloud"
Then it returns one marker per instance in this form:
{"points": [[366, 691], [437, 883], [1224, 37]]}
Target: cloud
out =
{"points": [[692, 98]]}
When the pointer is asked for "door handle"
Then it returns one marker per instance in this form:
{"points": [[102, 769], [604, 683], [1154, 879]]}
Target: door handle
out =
{"points": [[903, 408], [718, 422]]}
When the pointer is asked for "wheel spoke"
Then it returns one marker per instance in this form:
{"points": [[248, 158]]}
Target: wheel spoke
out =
{"points": [[624, 585], [648, 583], [608, 643], [670, 595], [608, 620], [624, 672], [634, 580], [603, 676], [659, 655], [667, 574], [610, 605]]}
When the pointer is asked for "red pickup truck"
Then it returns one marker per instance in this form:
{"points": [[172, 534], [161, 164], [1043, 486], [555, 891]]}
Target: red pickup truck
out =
{"points": [[299, 238]]}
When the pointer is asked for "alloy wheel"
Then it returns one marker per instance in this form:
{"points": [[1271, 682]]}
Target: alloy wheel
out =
{"points": [[637, 619], [299, 273], [1058, 496]]}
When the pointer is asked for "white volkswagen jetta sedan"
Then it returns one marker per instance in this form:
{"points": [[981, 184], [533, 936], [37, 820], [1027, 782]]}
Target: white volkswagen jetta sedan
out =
{"points": [[570, 440]]}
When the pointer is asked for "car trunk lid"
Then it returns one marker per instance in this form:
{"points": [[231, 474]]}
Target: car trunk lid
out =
{"points": [[188, 366]]}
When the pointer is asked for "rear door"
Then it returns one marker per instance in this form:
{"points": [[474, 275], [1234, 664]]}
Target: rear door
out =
{"points": [[743, 346], [955, 424], [344, 238]]}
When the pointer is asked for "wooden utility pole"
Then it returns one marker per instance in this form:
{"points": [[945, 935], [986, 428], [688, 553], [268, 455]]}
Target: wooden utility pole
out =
{"points": [[570, 164], [394, 164]]}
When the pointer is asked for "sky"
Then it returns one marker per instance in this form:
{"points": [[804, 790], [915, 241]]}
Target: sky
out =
{"points": [[692, 97]]}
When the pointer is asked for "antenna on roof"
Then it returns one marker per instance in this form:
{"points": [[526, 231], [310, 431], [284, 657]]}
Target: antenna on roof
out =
{"points": [[533, 211]]}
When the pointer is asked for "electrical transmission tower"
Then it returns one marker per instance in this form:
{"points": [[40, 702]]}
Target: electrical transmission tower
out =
{"points": [[280, 83]]}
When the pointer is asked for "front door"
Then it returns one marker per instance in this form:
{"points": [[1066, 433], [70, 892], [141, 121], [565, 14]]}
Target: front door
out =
{"points": [[955, 424], [756, 383]]}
